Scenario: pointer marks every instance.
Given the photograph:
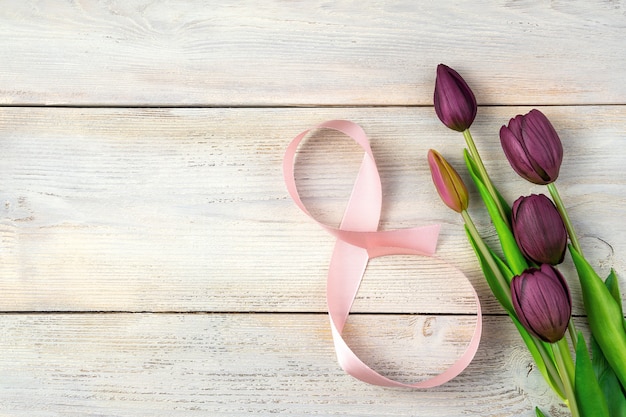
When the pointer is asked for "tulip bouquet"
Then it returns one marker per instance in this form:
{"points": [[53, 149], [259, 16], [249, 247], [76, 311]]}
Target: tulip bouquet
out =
{"points": [[534, 233]]}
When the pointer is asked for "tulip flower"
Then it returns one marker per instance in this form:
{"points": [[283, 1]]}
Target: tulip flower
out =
{"points": [[532, 147], [454, 101], [542, 302], [539, 229], [456, 107], [449, 184], [452, 191]]}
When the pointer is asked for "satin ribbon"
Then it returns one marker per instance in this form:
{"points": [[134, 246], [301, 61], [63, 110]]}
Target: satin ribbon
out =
{"points": [[359, 240]]}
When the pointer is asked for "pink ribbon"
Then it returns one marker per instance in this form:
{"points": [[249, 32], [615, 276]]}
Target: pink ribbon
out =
{"points": [[359, 240]]}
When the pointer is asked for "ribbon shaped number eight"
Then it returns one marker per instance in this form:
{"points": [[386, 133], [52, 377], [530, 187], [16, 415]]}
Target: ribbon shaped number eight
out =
{"points": [[359, 240]]}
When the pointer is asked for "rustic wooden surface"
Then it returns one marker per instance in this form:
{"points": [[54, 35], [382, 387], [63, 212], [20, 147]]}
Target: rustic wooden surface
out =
{"points": [[151, 261]]}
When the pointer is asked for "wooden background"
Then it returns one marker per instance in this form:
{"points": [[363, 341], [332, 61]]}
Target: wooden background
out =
{"points": [[151, 261]]}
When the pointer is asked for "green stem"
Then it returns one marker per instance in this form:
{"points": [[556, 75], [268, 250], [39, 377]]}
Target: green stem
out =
{"points": [[568, 224], [573, 334], [567, 356], [565, 365], [503, 283], [486, 254], [483, 173], [549, 364]]}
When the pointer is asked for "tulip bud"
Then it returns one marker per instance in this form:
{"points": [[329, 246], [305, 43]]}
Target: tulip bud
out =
{"points": [[455, 103], [539, 229], [449, 184], [532, 147], [542, 302]]}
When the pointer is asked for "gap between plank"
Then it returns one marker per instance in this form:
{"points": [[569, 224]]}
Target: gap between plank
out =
{"points": [[283, 106]]}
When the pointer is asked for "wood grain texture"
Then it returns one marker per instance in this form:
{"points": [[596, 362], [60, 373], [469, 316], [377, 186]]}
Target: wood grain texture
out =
{"points": [[186, 210], [151, 261], [147, 52], [242, 364]]}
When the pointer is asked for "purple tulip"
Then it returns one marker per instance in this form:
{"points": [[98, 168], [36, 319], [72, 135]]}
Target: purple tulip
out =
{"points": [[542, 302], [532, 147], [539, 229], [455, 103], [449, 184]]}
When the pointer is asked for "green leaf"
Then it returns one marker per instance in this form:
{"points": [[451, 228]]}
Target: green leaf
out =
{"points": [[471, 165], [589, 396], [539, 413], [504, 268], [613, 286], [512, 253], [604, 315], [490, 276], [609, 384]]}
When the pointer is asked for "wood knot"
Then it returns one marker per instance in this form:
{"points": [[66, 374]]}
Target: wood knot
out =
{"points": [[427, 329]]}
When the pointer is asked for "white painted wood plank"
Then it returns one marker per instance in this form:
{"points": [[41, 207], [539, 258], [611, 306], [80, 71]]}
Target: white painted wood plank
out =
{"points": [[224, 53], [132, 365], [186, 210]]}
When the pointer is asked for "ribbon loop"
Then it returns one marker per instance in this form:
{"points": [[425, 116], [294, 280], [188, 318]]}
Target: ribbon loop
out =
{"points": [[359, 240]]}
